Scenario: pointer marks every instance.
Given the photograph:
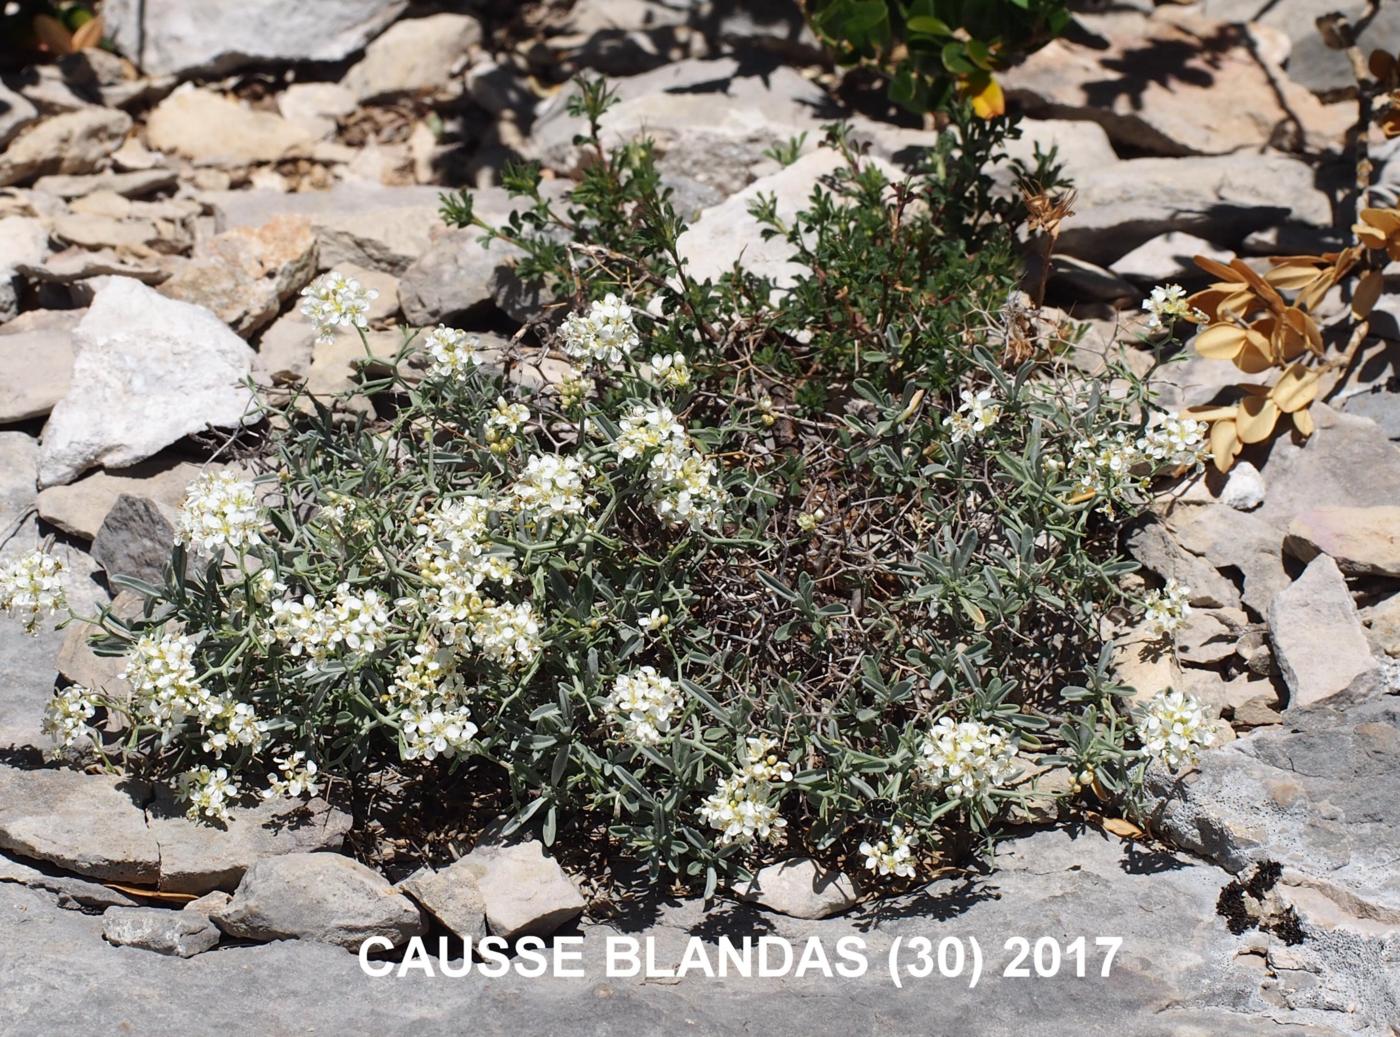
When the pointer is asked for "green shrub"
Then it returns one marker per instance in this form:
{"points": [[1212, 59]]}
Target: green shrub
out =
{"points": [[726, 572], [933, 51]]}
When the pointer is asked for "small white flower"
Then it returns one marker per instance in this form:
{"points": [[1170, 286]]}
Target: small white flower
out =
{"points": [[31, 587], [553, 487], [209, 793], [893, 855], [763, 760], [653, 621], [438, 730], [1173, 440], [1166, 305], [643, 704], [220, 510], [670, 370], [453, 353], [67, 715], [1168, 608], [977, 413], [1174, 729], [743, 811], [966, 759], [297, 777], [334, 301], [604, 335]]}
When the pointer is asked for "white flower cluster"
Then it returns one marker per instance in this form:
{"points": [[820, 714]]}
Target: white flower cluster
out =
{"points": [[1173, 440], [228, 724], [1168, 608], [455, 563], [209, 793], [437, 730], [604, 335], [670, 370], [653, 620], [67, 715], [434, 720], [1166, 305], [504, 423], [642, 703], [334, 301], [684, 483], [507, 634], [553, 487], [32, 587], [453, 353], [977, 413], [744, 811], [893, 855], [356, 621], [966, 759], [220, 511], [160, 670], [744, 808], [761, 760], [1174, 729], [296, 777]]}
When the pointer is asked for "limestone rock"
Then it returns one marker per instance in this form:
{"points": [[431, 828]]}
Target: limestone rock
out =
{"points": [[526, 893], [1317, 637], [149, 370], [16, 112], [1227, 538], [183, 37], [181, 933], [318, 896], [246, 275], [379, 228], [197, 858], [1155, 546], [416, 55], [36, 362], [1220, 197], [74, 142], [316, 107], [1317, 795], [91, 824], [213, 130], [1244, 487], [1362, 541], [134, 540], [23, 242], [80, 507], [800, 887], [1154, 86], [1169, 259], [71, 892], [455, 276], [1383, 625], [1325, 71], [132, 184], [451, 896], [209, 903], [710, 121], [727, 233]]}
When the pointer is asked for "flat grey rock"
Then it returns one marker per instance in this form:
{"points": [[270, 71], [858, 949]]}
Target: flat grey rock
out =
{"points": [[1362, 541], [197, 858], [180, 933], [525, 892], [182, 37], [1180, 971], [800, 887], [149, 371], [90, 824], [322, 897], [1317, 635], [134, 540], [451, 896], [71, 891]]}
